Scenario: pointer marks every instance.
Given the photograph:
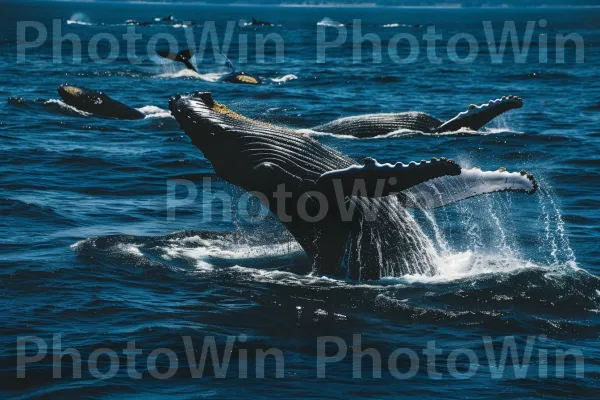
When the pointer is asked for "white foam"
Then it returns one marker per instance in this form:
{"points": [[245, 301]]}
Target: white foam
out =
{"points": [[396, 25], [71, 22], [468, 264], [288, 278], [203, 249], [284, 78], [130, 249], [65, 106], [154, 112], [188, 73]]}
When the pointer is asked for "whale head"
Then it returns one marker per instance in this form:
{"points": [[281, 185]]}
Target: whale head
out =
{"points": [[80, 97], [475, 117], [240, 148]]}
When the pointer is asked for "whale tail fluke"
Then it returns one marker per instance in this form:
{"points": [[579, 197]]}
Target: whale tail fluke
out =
{"points": [[183, 56]]}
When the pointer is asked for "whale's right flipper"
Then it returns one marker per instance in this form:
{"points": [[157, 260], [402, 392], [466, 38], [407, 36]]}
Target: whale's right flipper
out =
{"points": [[470, 183], [183, 56], [379, 180]]}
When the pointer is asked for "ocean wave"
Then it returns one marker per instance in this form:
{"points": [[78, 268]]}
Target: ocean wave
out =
{"points": [[498, 281], [15, 208], [329, 22], [560, 76]]}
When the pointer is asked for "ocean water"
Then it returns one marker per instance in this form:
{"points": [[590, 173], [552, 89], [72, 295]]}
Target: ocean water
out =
{"points": [[88, 252]]}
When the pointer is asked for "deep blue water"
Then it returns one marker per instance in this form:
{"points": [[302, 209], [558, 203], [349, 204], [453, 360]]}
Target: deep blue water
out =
{"points": [[87, 250]]}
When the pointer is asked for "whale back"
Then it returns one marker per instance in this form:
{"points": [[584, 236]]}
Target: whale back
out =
{"points": [[97, 103], [371, 125]]}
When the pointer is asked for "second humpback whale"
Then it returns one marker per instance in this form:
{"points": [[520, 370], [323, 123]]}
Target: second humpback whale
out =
{"points": [[351, 220], [257, 22], [370, 125], [232, 77], [97, 103]]}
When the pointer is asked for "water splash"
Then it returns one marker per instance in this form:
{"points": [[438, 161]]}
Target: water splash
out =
{"points": [[79, 18], [555, 237], [480, 236]]}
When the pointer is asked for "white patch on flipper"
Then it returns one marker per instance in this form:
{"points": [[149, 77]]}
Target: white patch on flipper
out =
{"points": [[471, 182]]}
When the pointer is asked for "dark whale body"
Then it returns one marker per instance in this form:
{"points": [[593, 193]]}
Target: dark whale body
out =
{"points": [[241, 77], [256, 22], [97, 103], [379, 237], [474, 118]]}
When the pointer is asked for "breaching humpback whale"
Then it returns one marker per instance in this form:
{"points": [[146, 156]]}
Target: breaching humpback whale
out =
{"points": [[474, 118], [97, 103], [351, 220], [233, 77]]}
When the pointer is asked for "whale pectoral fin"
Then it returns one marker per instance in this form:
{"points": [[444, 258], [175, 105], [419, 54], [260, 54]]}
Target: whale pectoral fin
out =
{"points": [[475, 117], [183, 56], [470, 183], [379, 180]]}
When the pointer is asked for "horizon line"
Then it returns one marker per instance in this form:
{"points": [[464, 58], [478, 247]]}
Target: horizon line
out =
{"points": [[328, 5]]}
